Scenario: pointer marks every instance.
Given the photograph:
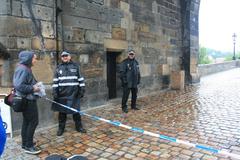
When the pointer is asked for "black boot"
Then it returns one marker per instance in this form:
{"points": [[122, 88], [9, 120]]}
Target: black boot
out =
{"points": [[60, 129], [60, 132], [78, 123], [62, 117], [124, 109], [134, 99], [79, 128], [135, 108]]}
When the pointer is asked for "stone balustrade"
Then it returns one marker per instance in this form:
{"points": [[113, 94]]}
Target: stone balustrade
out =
{"points": [[206, 69]]}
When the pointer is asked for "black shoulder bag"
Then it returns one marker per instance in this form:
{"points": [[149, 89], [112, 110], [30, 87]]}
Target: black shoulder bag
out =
{"points": [[17, 103]]}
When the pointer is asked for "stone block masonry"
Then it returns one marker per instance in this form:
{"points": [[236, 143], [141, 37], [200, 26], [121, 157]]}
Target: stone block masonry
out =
{"points": [[91, 29]]}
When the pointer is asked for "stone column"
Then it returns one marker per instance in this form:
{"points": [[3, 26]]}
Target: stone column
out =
{"points": [[177, 80]]}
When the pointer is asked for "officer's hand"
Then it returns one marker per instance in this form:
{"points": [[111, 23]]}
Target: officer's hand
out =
{"points": [[55, 95], [55, 98]]}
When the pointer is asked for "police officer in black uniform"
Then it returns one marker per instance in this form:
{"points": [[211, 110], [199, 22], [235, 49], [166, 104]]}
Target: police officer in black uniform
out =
{"points": [[130, 77], [68, 88]]}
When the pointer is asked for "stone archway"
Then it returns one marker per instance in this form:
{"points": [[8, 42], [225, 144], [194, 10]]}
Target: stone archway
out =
{"points": [[190, 36]]}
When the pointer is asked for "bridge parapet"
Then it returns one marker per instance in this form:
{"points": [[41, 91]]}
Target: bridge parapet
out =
{"points": [[206, 69]]}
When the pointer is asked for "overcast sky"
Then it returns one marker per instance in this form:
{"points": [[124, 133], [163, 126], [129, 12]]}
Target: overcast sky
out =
{"points": [[218, 20]]}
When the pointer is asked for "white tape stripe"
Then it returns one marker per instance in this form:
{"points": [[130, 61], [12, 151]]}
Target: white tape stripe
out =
{"points": [[232, 155], [229, 154], [104, 120], [125, 126], [151, 134], [186, 143]]}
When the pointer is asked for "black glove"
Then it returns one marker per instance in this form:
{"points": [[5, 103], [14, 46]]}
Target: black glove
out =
{"points": [[81, 92], [124, 82], [55, 96], [124, 85]]}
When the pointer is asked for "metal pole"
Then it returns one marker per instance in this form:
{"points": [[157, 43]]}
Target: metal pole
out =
{"points": [[234, 58], [234, 42]]}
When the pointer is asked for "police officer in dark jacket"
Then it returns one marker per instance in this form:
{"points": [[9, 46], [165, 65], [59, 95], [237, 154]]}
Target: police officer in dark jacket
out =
{"points": [[68, 88], [130, 77]]}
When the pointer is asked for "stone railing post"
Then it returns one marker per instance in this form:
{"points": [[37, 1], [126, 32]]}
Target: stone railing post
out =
{"points": [[177, 80]]}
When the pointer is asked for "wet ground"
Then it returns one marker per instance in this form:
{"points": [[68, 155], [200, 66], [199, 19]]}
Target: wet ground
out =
{"points": [[207, 114]]}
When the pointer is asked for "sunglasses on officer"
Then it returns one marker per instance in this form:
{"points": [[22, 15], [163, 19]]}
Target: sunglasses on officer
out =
{"points": [[131, 53], [64, 55]]}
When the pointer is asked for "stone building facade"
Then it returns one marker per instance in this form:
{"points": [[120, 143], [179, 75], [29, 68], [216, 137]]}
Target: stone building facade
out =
{"points": [[98, 33]]}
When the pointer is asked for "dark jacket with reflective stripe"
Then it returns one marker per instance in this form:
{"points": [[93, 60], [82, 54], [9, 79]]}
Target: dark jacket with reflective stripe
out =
{"points": [[130, 73], [68, 85]]}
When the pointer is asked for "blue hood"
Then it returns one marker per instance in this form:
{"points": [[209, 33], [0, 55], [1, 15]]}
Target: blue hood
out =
{"points": [[25, 57]]}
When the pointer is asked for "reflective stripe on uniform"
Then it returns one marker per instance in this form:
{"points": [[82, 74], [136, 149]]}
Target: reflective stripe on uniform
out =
{"points": [[68, 84], [81, 79], [82, 84], [55, 85], [67, 77], [55, 79]]}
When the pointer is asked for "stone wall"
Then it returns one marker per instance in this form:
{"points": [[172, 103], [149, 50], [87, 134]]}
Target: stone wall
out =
{"points": [[190, 47], [152, 28], [89, 29], [206, 69]]}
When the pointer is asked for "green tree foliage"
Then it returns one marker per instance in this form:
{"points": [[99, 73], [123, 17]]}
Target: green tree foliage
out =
{"points": [[238, 55], [203, 56], [208, 55], [230, 57]]}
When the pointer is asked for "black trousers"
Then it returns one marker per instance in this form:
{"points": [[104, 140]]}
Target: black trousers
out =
{"points": [[125, 96], [30, 122], [62, 118]]}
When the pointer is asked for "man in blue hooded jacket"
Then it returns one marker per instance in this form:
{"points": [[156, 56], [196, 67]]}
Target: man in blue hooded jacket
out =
{"points": [[25, 85]]}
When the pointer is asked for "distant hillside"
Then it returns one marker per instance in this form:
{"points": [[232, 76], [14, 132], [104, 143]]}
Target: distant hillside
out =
{"points": [[217, 54], [208, 55]]}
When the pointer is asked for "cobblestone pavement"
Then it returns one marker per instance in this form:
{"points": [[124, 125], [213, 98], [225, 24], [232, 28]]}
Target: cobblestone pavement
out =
{"points": [[207, 113]]}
